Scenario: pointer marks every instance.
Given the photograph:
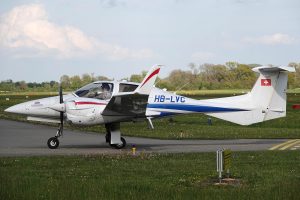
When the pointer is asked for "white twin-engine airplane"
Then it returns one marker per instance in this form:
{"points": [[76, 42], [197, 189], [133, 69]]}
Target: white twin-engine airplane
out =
{"points": [[111, 102]]}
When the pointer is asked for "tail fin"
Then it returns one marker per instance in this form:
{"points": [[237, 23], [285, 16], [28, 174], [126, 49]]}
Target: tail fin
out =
{"points": [[147, 84], [266, 101]]}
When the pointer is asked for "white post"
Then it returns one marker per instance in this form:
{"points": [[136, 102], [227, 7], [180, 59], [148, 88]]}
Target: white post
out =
{"points": [[220, 164], [218, 167]]}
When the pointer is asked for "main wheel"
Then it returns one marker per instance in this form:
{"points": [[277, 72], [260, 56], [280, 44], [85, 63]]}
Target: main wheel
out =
{"points": [[107, 137], [121, 145], [53, 143]]}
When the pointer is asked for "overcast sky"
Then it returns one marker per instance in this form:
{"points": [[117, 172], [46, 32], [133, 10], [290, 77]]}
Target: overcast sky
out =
{"points": [[42, 40]]}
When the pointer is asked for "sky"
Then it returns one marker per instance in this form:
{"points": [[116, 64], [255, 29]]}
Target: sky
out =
{"points": [[43, 40]]}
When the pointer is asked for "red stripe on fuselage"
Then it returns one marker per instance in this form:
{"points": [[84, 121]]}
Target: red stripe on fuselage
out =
{"points": [[88, 103], [151, 75]]}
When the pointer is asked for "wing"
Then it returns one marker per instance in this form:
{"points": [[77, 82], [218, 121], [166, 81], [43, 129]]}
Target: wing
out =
{"points": [[134, 103]]}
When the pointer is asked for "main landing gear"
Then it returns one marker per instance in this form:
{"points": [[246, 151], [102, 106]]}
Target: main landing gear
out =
{"points": [[53, 142], [113, 136]]}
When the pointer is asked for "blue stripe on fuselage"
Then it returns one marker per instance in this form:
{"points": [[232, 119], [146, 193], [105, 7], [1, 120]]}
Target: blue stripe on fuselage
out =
{"points": [[193, 108]]}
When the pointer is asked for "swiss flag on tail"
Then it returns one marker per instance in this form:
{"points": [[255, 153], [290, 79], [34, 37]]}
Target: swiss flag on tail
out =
{"points": [[265, 82]]}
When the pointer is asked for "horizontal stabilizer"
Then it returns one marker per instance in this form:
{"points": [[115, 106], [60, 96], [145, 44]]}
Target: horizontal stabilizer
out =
{"points": [[274, 69]]}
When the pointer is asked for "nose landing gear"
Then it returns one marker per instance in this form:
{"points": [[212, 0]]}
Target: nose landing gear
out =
{"points": [[53, 142]]}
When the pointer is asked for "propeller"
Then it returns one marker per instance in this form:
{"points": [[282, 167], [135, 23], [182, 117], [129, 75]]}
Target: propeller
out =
{"points": [[61, 101], [53, 142]]}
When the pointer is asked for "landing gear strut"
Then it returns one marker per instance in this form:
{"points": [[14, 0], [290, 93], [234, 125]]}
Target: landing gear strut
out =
{"points": [[113, 136], [121, 145], [53, 142]]}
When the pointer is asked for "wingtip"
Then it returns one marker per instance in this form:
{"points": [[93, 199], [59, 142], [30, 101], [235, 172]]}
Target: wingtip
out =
{"points": [[148, 81], [159, 65]]}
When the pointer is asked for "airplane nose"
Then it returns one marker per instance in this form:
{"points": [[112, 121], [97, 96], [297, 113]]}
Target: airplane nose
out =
{"points": [[10, 109], [18, 109], [38, 107]]}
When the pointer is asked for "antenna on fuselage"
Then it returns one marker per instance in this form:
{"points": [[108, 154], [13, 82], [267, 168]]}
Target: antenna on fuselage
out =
{"points": [[177, 90]]}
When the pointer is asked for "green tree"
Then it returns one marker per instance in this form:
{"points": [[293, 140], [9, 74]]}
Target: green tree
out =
{"points": [[102, 78], [214, 76], [136, 78], [7, 85], [65, 81], [294, 78], [23, 85], [242, 77], [180, 79], [75, 82], [86, 79], [231, 65]]}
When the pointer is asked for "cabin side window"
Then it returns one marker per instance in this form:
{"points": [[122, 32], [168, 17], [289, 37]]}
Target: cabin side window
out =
{"points": [[125, 87]]}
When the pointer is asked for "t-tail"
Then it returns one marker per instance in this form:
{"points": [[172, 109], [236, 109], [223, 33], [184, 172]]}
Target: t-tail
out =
{"points": [[266, 101]]}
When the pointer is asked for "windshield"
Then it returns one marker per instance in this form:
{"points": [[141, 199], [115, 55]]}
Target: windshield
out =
{"points": [[96, 90]]}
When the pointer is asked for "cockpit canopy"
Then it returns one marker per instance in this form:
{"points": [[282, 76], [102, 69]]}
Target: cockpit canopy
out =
{"points": [[96, 90], [104, 90]]}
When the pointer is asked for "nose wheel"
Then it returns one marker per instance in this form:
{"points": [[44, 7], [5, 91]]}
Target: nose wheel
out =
{"points": [[53, 142]]}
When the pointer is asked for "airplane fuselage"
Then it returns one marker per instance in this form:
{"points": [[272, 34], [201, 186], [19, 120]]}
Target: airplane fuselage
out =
{"points": [[88, 109]]}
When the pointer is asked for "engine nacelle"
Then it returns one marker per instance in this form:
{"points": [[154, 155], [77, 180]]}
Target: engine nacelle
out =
{"points": [[84, 120], [88, 114]]}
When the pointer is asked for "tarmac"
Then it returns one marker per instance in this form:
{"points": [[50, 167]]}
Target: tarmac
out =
{"points": [[26, 139]]}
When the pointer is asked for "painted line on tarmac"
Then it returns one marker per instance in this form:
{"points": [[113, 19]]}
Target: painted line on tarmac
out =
{"points": [[288, 143]]}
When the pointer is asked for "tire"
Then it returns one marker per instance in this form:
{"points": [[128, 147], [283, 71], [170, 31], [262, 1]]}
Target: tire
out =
{"points": [[121, 145], [53, 143], [107, 137]]}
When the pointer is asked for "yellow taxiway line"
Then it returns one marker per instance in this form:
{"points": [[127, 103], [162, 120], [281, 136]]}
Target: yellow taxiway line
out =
{"points": [[285, 145]]}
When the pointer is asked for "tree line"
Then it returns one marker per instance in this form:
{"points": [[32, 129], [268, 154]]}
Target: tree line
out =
{"points": [[68, 83], [231, 75]]}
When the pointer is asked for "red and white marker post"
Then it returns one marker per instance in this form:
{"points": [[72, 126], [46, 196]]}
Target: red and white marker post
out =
{"points": [[296, 107]]}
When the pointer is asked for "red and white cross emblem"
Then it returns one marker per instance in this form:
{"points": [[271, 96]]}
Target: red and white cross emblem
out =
{"points": [[265, 82]]}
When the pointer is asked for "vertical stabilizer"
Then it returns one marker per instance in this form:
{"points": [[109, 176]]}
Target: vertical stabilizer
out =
{"points": [[269, 91]]}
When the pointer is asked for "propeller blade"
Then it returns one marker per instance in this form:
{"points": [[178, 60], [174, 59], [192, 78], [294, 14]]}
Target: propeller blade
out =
{"points": [[61, 117], [61, 100], [60, 95], [62, 122]]}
